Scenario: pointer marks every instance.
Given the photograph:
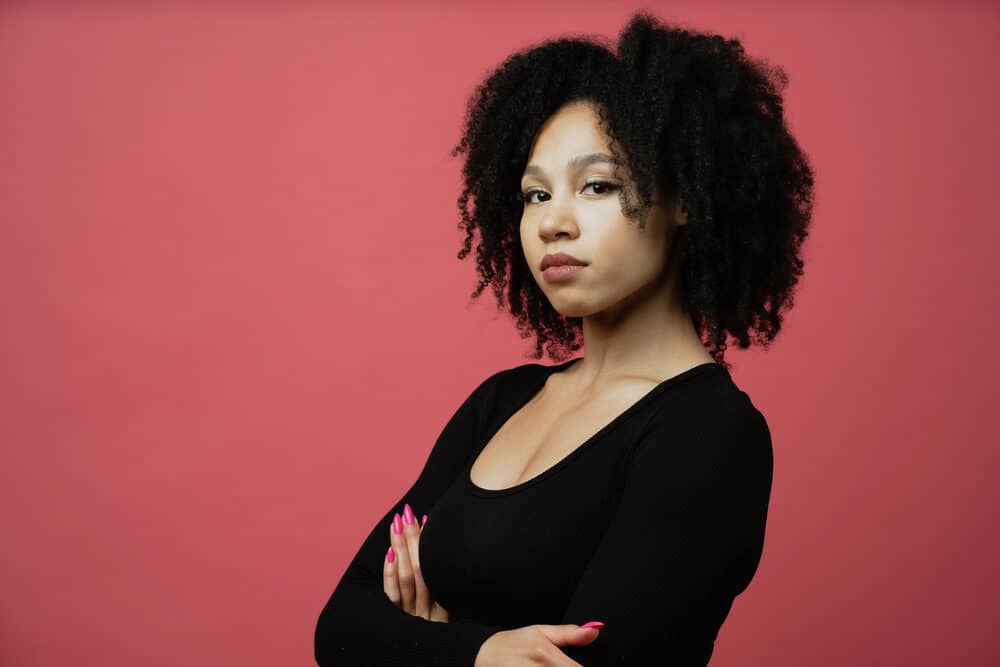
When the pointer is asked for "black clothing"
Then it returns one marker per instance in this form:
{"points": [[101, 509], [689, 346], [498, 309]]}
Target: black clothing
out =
{"points": [[653, 525]]}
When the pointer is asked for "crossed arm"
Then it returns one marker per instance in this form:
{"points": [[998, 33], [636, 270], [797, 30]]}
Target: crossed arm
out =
{"points": [[359, 624], [686, 539]]}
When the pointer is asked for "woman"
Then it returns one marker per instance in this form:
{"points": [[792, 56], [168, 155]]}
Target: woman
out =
{"points": [[608, 509]]}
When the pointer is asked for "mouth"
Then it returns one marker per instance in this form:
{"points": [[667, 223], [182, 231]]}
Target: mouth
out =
{"points": [[560, 259], [561, 272]]}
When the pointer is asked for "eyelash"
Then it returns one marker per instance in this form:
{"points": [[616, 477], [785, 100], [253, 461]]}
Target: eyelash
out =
{"points": [[608, 188]]}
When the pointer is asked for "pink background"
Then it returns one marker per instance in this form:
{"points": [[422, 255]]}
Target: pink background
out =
{"points": [[234, 322]]}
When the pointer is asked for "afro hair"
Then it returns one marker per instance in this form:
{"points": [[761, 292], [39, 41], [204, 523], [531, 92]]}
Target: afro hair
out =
{"points": [[690, 115]]}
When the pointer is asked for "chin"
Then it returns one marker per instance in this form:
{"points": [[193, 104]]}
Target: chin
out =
{"points": [[568, 308]]}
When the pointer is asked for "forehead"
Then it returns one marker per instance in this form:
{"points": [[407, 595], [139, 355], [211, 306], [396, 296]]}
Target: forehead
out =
{"points": [[571, 130]]}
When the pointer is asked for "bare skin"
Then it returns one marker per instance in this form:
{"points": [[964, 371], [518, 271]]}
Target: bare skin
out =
{"points": [[636, 335], [402, 579]]}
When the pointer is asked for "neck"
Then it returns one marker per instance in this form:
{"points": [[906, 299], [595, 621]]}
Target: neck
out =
{"points": [[647, 334]]}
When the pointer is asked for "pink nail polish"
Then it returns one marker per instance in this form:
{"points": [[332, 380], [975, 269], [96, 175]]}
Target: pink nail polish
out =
{"points": [[593, 624], [408, 515], [424, 522], [391, 555], [397, 525]]}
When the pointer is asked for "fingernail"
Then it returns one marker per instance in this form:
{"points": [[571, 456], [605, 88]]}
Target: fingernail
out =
{"points": [[391, 555], [397, 525], [408, 515], [593, 624], [424, 522]]}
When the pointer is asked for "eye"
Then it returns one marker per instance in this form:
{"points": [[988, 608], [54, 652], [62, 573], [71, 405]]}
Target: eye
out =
{"points": [[603, 187], [526, 196]]}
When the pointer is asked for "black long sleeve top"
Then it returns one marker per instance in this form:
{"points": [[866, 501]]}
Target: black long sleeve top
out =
{"points": [[653, 525]]}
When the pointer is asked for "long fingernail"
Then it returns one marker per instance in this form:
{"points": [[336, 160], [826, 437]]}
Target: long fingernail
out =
{"points": [[424, 522], [397, 525], [391, 555], [408, 515], [593, 624]]}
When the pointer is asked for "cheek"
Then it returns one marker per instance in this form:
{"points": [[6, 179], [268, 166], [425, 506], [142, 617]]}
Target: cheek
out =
{"points": [[633, 261], [653, 258], [524, 234]]}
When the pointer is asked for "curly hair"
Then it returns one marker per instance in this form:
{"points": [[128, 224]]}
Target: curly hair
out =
{"points": [[687, 114]]}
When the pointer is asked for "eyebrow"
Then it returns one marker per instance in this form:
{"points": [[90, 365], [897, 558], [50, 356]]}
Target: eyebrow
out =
{"points": [[578, 161]]}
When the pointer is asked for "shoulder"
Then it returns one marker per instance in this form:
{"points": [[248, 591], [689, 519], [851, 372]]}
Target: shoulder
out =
{"points": [[498, 384], [504, 377], [515, 378], [710, 405], [714, 432]]}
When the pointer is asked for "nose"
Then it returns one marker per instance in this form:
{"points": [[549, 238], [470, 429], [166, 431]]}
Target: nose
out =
{"points": [[559, 219]]}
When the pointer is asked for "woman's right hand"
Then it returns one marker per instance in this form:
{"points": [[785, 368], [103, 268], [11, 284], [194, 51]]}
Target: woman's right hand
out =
{"points": [[534, 645]]}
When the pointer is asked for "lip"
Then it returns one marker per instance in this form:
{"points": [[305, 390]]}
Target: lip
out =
{"points": [[560, 259], [558, 274]]}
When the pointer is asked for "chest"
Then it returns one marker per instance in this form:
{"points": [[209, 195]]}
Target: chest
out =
{"points": [[513, 556], [547, 429], [511, 551]]}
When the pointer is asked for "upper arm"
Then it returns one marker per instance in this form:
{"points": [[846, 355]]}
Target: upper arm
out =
{"points": [[359, 625], [454, 445], [686, 538], [444, 462]]}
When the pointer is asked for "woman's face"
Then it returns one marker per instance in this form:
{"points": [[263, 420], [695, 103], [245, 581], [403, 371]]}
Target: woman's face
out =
{"points": [[571, 206]]}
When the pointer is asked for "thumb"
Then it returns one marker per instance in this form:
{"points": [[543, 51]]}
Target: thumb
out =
{"points": [[569, 634]]}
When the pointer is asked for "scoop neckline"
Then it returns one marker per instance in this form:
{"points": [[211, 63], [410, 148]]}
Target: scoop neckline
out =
{"points": [[533, 391]]}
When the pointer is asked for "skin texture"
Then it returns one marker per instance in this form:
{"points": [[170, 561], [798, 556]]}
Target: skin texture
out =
{"points": [[402, 580], [634, 323], [636, 330]]}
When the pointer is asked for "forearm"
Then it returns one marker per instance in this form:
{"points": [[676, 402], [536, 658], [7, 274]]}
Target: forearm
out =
{"points": [[360, 626]]}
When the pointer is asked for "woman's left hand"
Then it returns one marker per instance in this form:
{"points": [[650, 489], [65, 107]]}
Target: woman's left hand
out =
{"points": [[402, 580]]}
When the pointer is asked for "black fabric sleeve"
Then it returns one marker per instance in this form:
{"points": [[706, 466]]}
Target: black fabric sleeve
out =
{"points": [[685, 540], [359, 625]]}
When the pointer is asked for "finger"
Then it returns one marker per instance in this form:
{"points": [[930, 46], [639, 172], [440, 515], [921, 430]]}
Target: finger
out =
{"points": [[389, 582], [555, 636], [438, 613], [556, 657], [411, 531], [553, 655], [568, 634], [404, 573]]}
